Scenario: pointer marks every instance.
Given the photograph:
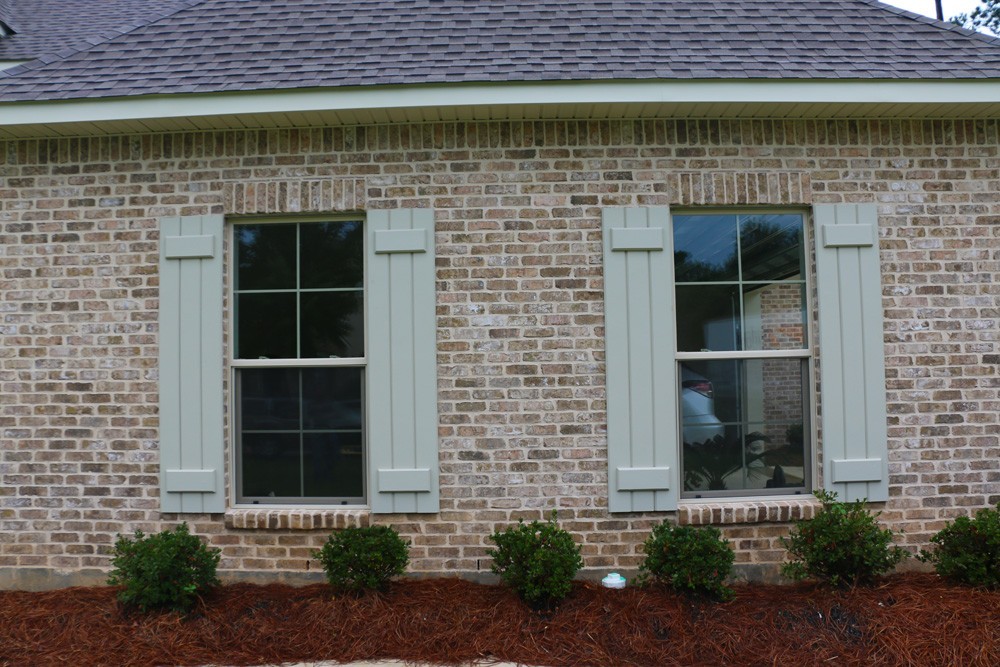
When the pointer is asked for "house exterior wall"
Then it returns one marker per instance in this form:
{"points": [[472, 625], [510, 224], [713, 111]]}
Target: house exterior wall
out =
{"points": [[520, 347]]}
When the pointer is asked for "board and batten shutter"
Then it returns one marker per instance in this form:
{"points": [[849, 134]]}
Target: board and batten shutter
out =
{"points": [[851, 351], [191, 365], [401, 384], [643, 471]]}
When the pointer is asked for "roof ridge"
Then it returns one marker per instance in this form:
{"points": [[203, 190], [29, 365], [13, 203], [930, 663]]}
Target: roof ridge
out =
{"points": [[85, 44], [943, 25]]}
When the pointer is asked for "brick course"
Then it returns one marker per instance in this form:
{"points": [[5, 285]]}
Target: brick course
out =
{"points": [[519, 309]]}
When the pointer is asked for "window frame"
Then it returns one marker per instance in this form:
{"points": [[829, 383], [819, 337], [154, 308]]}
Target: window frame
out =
{"points": [[808, 353], [235, 459]]}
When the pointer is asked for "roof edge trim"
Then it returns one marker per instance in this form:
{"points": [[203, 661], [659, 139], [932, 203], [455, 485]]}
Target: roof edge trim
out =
{"points": [[788, 92]]}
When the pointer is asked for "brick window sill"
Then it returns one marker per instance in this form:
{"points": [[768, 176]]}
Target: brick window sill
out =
{"points": [[742, 511], [296, 519]]}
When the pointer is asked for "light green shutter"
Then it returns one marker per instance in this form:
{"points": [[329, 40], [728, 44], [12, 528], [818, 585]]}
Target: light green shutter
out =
{"points": [[190, 340], [641, 373], [852, 353], [402, 367]]}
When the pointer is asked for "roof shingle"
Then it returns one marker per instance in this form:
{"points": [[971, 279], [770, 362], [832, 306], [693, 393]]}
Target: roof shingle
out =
{"points": [[238, 45]]}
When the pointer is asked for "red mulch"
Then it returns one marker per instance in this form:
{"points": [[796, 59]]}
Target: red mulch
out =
{"points": [[911, 619]]}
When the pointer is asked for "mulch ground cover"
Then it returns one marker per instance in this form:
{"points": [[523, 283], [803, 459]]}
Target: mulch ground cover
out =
{"points": [[910, 619]]}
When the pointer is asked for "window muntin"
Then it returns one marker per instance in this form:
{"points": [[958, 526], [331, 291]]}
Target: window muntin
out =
{"points": [[742, 352], [299, 359]]}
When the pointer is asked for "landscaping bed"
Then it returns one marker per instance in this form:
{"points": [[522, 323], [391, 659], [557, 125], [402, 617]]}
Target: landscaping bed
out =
{"points": [[906, 619]]}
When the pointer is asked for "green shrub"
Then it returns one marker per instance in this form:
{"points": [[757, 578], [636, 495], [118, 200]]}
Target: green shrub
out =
{"points": [[168, 570], [842, 545], [360, 559], [968, 550], [689, 559], [537, 560]]}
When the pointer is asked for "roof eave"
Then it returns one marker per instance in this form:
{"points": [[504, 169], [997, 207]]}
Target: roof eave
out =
{"points": [[587, 100]]}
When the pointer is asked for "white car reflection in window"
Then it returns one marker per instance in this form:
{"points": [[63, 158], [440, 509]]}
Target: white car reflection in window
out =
{"points": [[698, 409]]}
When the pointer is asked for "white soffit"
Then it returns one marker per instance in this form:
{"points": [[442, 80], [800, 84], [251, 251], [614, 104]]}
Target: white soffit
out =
{"points": [[573, 100]]}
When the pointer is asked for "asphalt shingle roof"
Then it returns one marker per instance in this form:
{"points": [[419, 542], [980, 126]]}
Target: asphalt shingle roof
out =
{"points": [[241, 45], [45, 27]]}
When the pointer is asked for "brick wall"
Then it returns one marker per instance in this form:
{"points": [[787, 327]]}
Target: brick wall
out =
{"points": [[520, 323]]}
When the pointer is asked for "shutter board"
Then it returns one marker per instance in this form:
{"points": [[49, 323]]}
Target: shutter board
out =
{"points": [[179, 481], [641, 373], [188, 247], [623, 238], [402, 479], [402, 367], [852, 352], [855, 470], [191, 365], [643, 479], [400, 240], [837, 236]]}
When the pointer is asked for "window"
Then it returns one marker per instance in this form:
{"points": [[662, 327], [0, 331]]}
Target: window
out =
{"points": [[299, 360], [331, 319], [742, 352], [708, 354]]}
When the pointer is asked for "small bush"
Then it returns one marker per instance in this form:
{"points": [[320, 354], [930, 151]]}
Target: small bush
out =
{"points": [[842, 545], [689, 559], [968, 550], [360, 559], [537, 560], [168, 570]]}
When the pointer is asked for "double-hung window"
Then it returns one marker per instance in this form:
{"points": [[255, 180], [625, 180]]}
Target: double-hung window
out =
{"points": [[742, 352], [299, 362]]}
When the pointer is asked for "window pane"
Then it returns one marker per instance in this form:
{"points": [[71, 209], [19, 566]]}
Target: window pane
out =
{"points": [[774, 316], [333, 324], [265, 257], [334, 466], [331, 398], [708, 317], [743, 424], [332, 254], [271, 465], [269, 399], [330, 465], [705, 248], [771, 246], [265, 326]]}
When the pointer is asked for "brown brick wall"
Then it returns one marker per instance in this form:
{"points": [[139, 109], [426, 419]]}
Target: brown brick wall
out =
{"points": [[520, 317]]}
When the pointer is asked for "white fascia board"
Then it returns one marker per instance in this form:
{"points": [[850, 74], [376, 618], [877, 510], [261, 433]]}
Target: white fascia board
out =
{"points": [[952, 92], [7, 64]]}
